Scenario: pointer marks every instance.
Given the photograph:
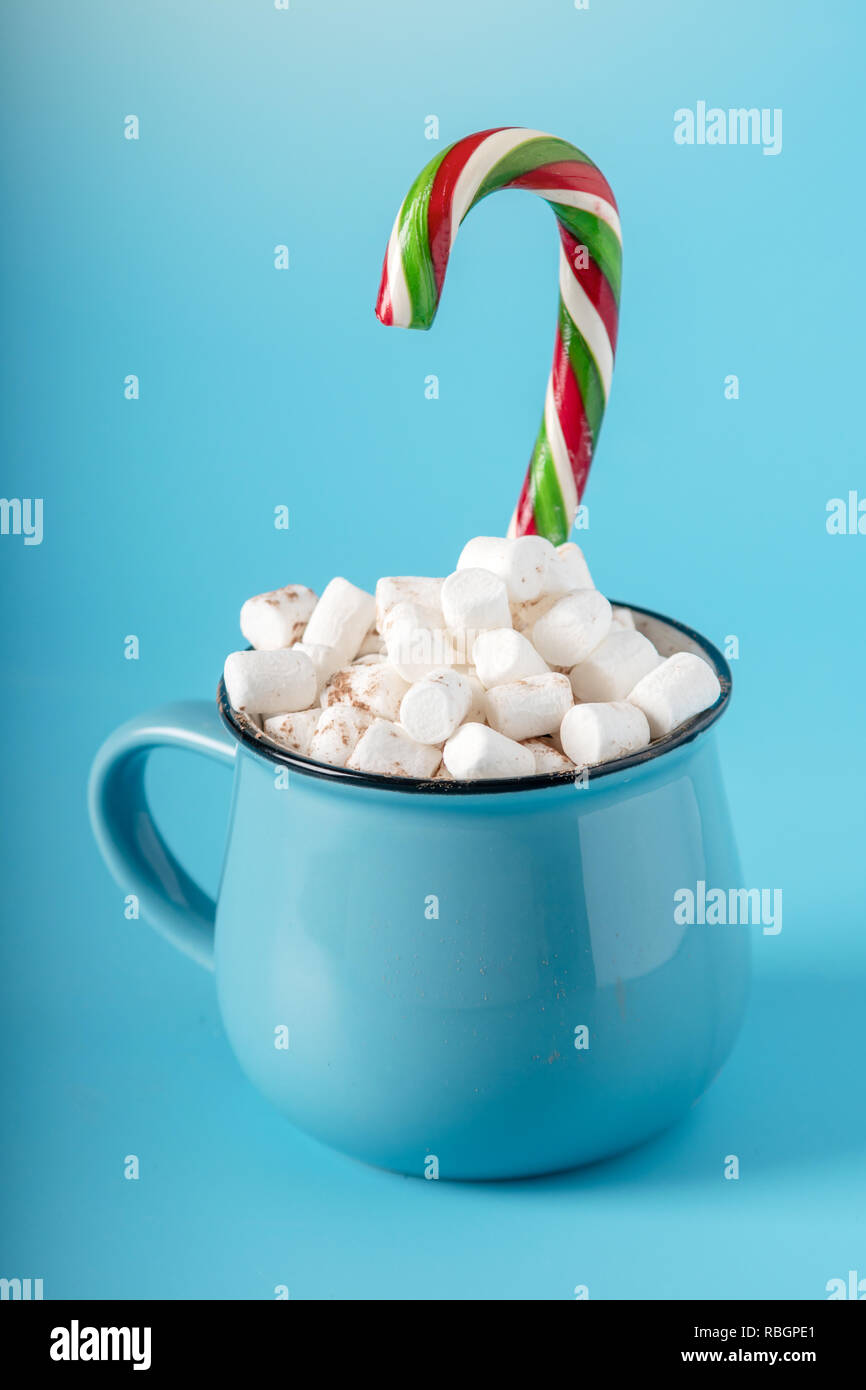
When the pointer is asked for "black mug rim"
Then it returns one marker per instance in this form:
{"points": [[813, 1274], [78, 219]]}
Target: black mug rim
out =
{"points": [[256, 742]]}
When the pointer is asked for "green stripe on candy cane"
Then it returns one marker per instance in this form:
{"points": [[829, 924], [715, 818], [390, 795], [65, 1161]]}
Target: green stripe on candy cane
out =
{"points": [[547, 501], [600, 240], [530, 155], [414, 245], [584, 368]]}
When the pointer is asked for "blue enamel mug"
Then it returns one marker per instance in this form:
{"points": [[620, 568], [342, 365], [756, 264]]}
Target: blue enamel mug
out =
{"points": [[472, 980]]}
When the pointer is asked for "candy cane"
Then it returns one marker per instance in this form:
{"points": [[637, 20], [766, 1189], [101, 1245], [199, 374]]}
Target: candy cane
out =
{"points": [[589, 283]]}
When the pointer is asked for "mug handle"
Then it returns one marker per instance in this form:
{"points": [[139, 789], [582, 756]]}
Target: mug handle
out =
{"points": [[126, 833]]}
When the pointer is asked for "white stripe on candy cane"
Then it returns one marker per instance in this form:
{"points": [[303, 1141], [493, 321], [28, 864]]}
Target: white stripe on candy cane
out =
{"points": [[586, 202], [588, 320], [559, 450], [478, 166], [401, 302]]}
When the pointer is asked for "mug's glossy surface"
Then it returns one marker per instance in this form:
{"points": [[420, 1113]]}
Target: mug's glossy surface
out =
{"points": [[491, 979]]}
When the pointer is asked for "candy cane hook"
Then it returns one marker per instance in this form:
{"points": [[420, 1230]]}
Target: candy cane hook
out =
{"points": [[589, 284]]}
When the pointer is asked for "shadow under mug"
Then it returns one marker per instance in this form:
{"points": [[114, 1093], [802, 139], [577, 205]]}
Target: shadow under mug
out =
{"points": [[472, 980]]}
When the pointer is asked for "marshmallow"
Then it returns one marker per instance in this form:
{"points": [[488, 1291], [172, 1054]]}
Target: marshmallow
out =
{"points": [[326, 661], [476, 752], [615, 667], [621, 617], [547, 757], [525, 615], [477, 712], [416, 642], [675, 691], [432, 708], [278, 618], [338, 729], [474, 600], [484, 553], [502, 655], [293, 731], [266, 683], [567, 570], [521, 564], [386, 748], [341, 619], [371, 644], [594, 734], [426, 593], [529, 707], [376, 690], [569, 631], [408, 611], [514, 665]]}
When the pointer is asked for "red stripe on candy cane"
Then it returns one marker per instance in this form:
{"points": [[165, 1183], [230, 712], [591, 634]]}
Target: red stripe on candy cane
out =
{"points": [[384, 307], [572, 415], [524, 517], [593, 282], [442, 197], [570, 174]]}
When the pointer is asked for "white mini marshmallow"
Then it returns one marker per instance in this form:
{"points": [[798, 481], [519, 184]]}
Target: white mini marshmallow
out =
{"points": [[621, 617], [478, 753], [567, 570], [570, 630], [502, 655], [433, 708], [338, 729], [326, 661], [376, 690], [615, 666], [487, 662], [410, 651], [387, 749], [521, 564], [675, 691], [477, 712], [529, 707], [419, 614], [524, 616], [597, 733], [293, 731], [341, 619], [474, 600], [266, 683], [394, 589], [372, 644], [278, 618], [548, 758], [415, 641], [484, 553]]}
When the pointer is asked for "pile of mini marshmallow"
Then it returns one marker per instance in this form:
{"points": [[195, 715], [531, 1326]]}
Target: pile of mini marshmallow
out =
{"points": [[513, 666]]}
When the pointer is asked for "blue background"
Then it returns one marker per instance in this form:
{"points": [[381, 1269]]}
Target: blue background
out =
{"points": [[259, 388]]}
